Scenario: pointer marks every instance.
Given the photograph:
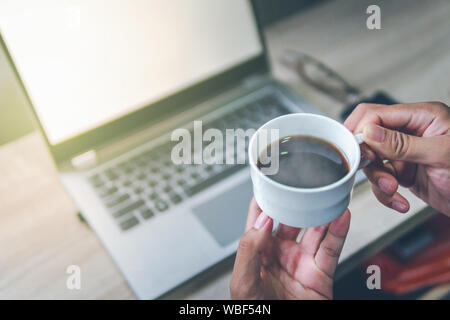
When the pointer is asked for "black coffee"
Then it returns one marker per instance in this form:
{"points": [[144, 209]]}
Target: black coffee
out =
{"points": [[307, 162]]}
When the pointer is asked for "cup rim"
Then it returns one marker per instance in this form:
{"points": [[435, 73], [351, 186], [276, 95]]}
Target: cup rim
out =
{"points": [[337, 183]]}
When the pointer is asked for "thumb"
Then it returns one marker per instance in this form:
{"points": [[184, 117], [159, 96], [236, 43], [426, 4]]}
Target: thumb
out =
{"points": [[396, 145], [246, 273]]}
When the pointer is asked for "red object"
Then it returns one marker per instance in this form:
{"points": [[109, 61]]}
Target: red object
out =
{"points": [[429, 267]]}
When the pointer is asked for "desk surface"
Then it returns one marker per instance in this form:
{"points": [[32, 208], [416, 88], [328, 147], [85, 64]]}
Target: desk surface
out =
{"points": [[40, 234]]}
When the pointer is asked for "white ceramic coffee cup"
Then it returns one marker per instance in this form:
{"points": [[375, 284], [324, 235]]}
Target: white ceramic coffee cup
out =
{"points": [[304, 207]]}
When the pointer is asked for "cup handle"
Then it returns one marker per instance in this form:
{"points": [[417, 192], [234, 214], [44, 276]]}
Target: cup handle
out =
{"points": [[364, 161]]}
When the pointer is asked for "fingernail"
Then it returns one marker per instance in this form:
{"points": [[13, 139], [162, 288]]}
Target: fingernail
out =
{"points": [[374, 133], [386, 185], [261, 221], [399, 206]]}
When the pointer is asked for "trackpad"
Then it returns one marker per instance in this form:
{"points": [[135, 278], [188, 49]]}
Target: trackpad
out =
{"points": [[224, 216]]}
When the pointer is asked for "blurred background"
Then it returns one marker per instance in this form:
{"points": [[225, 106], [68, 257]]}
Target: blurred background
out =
{"points": [[16, 120]]}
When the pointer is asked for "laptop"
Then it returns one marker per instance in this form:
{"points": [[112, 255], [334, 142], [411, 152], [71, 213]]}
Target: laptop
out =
{"points": [[110, 84]]}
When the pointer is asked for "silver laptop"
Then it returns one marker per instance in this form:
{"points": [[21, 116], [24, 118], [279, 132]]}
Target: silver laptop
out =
{"points": [[109, 84]]}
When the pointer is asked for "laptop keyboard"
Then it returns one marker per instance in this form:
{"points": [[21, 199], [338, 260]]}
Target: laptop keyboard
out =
{"points": [[149, 183]]}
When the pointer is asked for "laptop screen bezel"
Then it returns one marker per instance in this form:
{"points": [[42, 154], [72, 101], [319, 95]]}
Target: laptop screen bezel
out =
{"points": [[153, 112]]}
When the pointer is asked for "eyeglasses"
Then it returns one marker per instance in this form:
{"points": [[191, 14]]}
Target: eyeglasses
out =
{"points": [[320, 76]]}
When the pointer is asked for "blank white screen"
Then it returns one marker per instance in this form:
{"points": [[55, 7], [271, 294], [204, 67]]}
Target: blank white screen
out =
{"points": [[87, 62]]}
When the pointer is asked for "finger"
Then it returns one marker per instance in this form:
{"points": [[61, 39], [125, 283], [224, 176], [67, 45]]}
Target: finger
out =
{"points": [[413, 118], [367, 153], [286, 232], [389, 175], [330, 248], [358, 114], [246, 272], [395, 201], [311, 239], [253, 212], [268, 254], [405, 172], [378, 175], [297, 260], [395, 145], [273, 286], [309, 285], [287, 254]]}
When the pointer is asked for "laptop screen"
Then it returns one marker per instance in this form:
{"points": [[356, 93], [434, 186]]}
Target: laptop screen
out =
{"points": [[87, 62]]}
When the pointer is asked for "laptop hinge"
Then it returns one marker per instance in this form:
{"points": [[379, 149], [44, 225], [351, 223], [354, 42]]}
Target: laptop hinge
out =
{"points": [[85, 160], [254, 80]]}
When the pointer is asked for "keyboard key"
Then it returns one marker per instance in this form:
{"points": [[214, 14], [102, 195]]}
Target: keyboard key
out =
{"points": [[166, 176], [128, 208], [152, 183], [161, 205], [153, 196], [141, 176], [195, 175], [108, 191], [129, 223], [179, 168], [128, 169], [167, 188], [138, 190], [175, 198], [141, 162], [181, 182], [97, 184], [147, 213], [119, 199], [190, 191], [127, 183], [167, 163], [154, 169], [96, 181], [111, 174]]}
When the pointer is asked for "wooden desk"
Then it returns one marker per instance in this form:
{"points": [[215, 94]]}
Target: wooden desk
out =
{"points": [[40, 234]]}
